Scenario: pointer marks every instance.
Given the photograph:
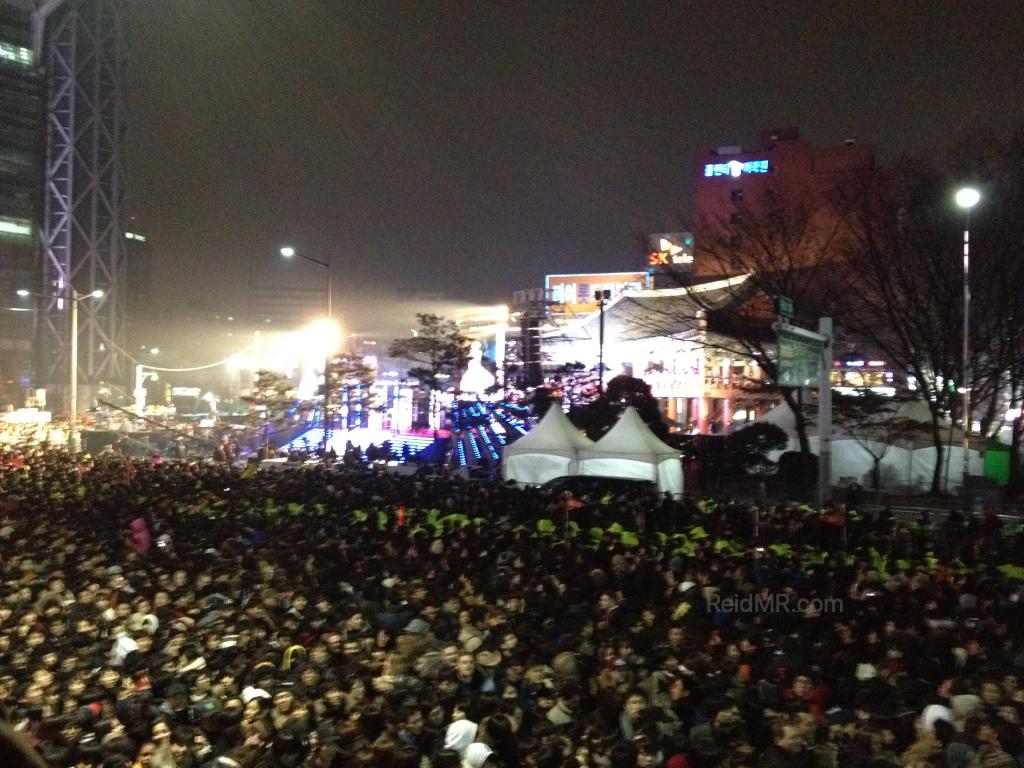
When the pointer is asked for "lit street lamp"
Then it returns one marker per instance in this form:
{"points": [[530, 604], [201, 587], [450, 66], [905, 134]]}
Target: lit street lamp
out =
{"points": [[967, 198], [74, 444], [290, 253]]}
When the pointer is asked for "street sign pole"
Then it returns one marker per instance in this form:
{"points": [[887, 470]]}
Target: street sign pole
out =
{"points": [[804, 360], [825, 415]]}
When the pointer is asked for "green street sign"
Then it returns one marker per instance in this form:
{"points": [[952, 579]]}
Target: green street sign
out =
{"points": [[799, 361], [783, 306]]}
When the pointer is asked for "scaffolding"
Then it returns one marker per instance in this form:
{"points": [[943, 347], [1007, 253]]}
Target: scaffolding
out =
{"points": [[82, 232]]}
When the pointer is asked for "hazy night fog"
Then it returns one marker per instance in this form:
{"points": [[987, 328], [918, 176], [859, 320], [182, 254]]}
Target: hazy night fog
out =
{"points": [[467, 149]]}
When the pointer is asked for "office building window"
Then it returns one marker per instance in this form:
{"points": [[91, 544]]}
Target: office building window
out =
{"points": [[16, 53]]}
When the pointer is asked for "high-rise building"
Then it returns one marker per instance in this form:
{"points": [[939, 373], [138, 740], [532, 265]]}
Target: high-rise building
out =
{"points": [[21, 184], [140, 298]]}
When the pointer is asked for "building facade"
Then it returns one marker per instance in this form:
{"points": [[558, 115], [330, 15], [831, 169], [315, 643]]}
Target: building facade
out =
{"points": [[22, 100], [736, 186], [660, 336]]}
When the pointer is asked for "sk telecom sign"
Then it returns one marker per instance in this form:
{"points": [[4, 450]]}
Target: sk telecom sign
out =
{"points": [[672, 251]]}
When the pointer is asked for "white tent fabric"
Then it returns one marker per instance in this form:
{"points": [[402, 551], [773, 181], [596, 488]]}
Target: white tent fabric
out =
{"points": [[906, 466], [631, 450], [549, 450]]}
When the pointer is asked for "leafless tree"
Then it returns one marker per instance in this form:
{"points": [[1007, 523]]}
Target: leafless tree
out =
{"points": [[907, 256], [786, 241], [875, 423]]}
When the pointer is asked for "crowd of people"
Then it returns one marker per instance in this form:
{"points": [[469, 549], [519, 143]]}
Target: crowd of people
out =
{"points": [[172, 614]]}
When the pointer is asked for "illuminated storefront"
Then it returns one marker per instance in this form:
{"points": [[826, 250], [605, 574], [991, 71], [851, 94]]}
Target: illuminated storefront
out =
{"points": [[655, 335]]}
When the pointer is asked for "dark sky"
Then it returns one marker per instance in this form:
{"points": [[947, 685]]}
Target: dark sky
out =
{"points": [[470, 148]]}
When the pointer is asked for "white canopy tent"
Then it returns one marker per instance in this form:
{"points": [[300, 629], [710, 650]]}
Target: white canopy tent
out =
{"points": [[631, 450], [549, 450]]}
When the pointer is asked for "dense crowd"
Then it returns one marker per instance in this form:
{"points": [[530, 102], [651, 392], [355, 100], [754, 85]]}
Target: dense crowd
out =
{"points": [[160, 614]]}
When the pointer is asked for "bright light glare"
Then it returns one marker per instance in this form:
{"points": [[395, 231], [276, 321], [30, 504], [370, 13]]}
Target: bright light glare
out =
{"points": [[320, 337], [287, 251], [97, 294], [155, 351], [23, 292], [967, 197]]}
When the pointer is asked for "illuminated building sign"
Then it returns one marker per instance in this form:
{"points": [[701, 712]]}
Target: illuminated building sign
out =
{"points": [[736, 168], [575, 293], [671, 250]]}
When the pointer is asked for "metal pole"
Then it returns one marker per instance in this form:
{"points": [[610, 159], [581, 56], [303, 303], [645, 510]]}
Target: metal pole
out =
{"points": [[73, 442], [825, 415], [327, 405], [600, 296], [966, 362], [330, 290]]}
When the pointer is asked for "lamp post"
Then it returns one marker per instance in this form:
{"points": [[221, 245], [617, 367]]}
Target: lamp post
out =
{"points": [[73, 297], [288, 252], [601, 297], [966, 198]]}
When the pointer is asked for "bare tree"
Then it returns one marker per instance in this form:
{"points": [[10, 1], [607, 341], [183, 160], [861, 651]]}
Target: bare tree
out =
{"points": [[786, 241], [875, 423], [908, 260], [907, 302], [997, 267]]}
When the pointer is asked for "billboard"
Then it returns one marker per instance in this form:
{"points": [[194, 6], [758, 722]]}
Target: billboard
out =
{"points": [[575, 293]]}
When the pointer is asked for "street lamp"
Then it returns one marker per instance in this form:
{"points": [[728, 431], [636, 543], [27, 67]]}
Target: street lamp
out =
{"points": [[289, 252], [967, 198], [74, 444]]}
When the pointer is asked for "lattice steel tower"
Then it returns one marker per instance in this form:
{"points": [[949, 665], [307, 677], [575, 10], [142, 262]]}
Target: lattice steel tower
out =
{"points": [[83, 47]]}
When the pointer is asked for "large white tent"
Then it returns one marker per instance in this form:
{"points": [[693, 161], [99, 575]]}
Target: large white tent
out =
{"points": [[631, 450], [549, 450]]}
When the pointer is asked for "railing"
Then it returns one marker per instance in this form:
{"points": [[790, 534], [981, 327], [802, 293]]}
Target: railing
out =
{"points": [[911, 513]]}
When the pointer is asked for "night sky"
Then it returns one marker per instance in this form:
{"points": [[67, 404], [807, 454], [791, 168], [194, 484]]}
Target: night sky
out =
{"points": [[470, 148]]}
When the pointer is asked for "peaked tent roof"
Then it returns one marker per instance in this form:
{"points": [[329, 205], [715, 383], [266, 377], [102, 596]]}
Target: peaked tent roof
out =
{"points": [[631, 436], [554, 433], [630, 449]]}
